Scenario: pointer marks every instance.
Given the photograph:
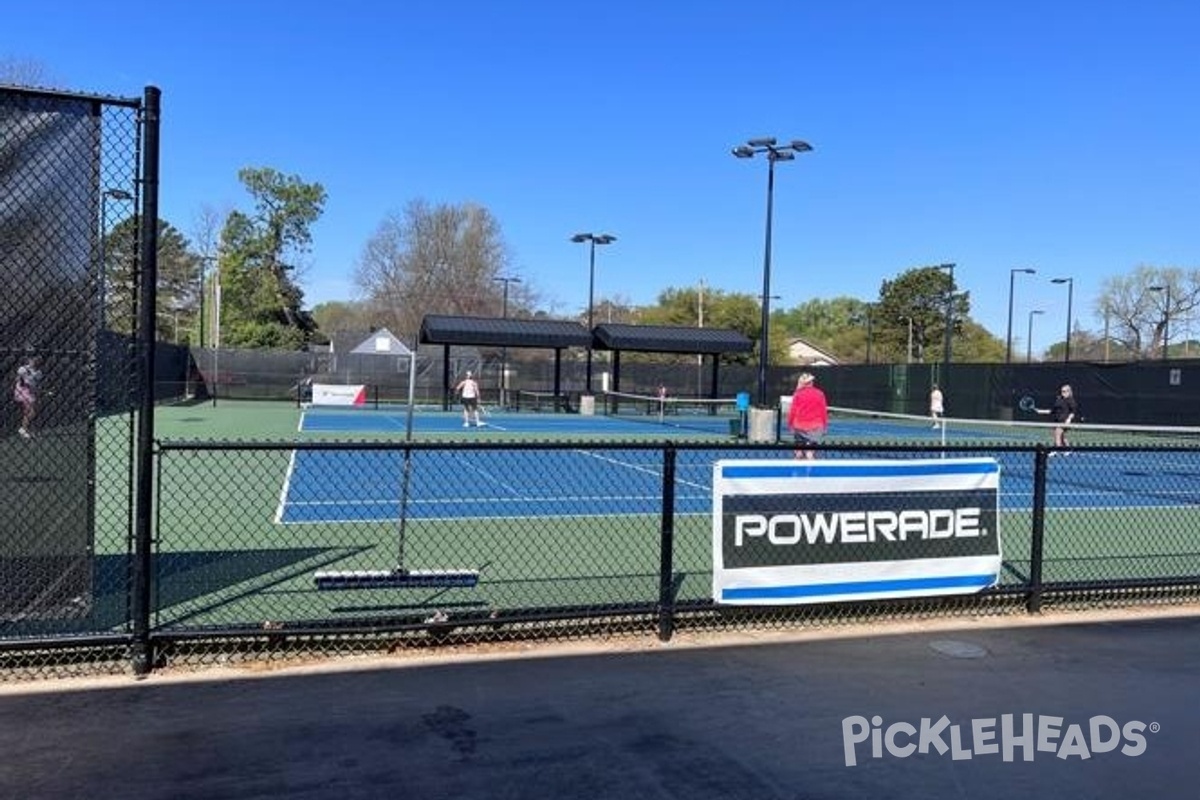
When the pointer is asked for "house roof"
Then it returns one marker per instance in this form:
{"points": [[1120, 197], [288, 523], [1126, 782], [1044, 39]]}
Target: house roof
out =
{"points": [[670, 339], [382, 343], [496, 332]]}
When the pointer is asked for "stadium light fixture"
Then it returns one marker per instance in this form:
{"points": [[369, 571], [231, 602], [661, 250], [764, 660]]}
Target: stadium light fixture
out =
{"points": [[767, 146], [1012, 274], [593, 239]]}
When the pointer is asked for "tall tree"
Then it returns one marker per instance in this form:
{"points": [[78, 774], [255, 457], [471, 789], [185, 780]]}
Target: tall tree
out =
{"points": [[438, 259], [1135, 306], [920, 295], [176, 292], [261, 300]]}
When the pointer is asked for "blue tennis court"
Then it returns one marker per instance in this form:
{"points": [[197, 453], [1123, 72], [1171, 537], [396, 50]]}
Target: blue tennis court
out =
{"points": [[354, 486]]}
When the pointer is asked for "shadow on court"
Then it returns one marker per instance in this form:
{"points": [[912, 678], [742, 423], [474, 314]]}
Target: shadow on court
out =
{"points": [[738, 720]]}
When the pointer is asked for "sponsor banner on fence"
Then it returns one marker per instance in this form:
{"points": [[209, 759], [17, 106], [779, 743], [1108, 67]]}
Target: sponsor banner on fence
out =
{"points": [[333, 394], [790, 532]]}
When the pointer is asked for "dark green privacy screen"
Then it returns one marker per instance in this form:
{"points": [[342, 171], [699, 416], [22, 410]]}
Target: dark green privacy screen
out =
{"points": [[50, 321]]}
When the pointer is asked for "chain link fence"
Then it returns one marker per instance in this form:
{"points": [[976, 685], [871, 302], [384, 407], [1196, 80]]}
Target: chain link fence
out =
{"points": [[278, 549]]}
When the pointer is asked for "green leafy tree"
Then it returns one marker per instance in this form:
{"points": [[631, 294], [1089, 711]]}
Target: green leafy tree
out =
{"points": [[261, 300], [726, 310], [920, 295], [177, 286]]}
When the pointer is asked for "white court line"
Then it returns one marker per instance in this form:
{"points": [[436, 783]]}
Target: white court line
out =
{"points": [[639, 468], [285, 489], [490, 476]]}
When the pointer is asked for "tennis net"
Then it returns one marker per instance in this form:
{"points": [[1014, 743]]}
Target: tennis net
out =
{"points": [[712, 415], [539, 402]]}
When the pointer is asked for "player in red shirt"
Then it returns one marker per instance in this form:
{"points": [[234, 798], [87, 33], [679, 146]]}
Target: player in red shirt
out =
{"points": [[808, 418]]}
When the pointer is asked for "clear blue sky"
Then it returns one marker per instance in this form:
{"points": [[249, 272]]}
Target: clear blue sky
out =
{"points": [[1059, 135]]}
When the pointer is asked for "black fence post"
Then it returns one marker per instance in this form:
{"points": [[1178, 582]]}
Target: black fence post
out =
{"points": [[666, 563], [1037, 535], [142, 574]]}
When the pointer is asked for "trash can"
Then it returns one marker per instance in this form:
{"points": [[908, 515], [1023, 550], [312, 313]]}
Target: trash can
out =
{"points": [[737, 426], [762, 425], [587, 405]]}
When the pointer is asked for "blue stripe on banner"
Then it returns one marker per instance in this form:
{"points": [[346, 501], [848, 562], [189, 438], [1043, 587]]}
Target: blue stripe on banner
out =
{"points": [[855, 470], [858, 587]]}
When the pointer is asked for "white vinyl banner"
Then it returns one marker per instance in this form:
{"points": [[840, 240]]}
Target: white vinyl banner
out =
{"points": [[819, 531], [332, 394]]}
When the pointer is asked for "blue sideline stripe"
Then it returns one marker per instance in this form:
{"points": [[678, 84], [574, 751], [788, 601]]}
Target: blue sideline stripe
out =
{"points": [[858, 587], [855, 470]]}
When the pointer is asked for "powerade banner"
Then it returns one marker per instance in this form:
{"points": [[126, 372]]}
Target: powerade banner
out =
{"points": [[792, 532]]}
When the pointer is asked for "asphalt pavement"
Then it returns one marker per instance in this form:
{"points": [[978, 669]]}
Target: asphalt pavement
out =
{"points": [[1095, 709]]}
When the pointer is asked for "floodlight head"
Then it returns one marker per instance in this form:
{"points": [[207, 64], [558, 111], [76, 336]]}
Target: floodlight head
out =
{"points": [[781, 155], [1026, 270], [581, 237], [766, 141], [1061, 280], [743, 152], [118, 194], [604, 238], [800, 146]]}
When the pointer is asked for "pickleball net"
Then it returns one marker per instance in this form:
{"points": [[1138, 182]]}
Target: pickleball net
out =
{"points": [[710, 415], [859, 425]]}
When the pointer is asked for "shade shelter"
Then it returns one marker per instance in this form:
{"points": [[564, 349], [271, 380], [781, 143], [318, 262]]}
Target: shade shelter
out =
{"points": [[704, 342], [553, 334]]}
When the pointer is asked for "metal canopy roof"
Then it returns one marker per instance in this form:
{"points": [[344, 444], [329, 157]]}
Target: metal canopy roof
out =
{"points": [[493, 332], [670, 339]]}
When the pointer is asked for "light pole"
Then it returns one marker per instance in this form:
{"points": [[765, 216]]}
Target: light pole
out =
{"points": [[1107, 311], [774, 152], [908, 349], [216, 378], [949, 325], [1070, 282], [506, 280], [1166, 288], [1012, 274], [105, 196], [1029, 335], [870, 332], [594, 239]]}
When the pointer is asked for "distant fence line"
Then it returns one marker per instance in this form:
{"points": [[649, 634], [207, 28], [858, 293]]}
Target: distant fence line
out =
{"points": [[1138, 392]]}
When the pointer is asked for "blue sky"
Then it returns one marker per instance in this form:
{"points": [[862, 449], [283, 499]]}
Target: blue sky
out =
{"points": [[1061, 136]]}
